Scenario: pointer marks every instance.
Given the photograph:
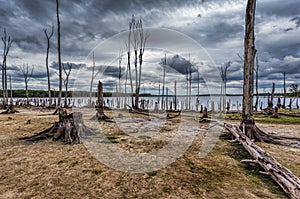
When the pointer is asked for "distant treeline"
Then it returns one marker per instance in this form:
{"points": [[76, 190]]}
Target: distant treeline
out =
{"points": [[44, 94]]}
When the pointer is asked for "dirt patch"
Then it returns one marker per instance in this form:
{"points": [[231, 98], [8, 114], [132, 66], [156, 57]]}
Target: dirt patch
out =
{"points": [[48, 169]]}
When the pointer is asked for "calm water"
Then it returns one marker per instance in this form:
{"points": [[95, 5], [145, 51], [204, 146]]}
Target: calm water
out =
{"points": [[235, 102]]}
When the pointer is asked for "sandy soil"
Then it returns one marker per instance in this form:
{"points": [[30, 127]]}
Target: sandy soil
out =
{"points": [[48, 169]]}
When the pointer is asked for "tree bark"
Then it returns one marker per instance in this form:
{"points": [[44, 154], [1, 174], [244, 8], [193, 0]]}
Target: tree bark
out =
{"points": [[249, 54], [256, 83], [283, 176], [100, 109]]}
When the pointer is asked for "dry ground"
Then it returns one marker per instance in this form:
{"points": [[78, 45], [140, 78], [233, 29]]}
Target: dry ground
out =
{"points": [[48, 169]]}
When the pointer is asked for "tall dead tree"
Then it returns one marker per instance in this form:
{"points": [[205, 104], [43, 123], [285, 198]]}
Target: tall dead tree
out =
{"points": [[284, 91], [128, 70], [249, 55], [94, 75], [164, 64], [135, 44], [223, 74], [27, 74], [175, 96], [119, 77], [59, 55], [256, 83], [142, 43], [48, 37], [189, 83], [67, 70], [6, 47]]}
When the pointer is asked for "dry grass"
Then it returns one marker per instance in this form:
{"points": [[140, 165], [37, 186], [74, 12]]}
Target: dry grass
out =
{"points": [[48, 169]]}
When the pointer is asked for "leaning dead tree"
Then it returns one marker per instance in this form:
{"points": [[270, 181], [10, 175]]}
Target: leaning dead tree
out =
{"points": [[27, 74], [128, 70], [280, 174], [6, 47], [48, 37]]}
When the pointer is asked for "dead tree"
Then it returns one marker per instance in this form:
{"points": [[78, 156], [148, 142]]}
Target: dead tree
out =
{"points": [[128, 70], [48, 37], [119, 77], [284, 91], [27, 74], [189, 83], [6, 47], [164, 64], [69, 128], [67, 71], [280, 174], [94, 75], [249, 54], [100, 106], [256, 83], [142, 43], [59, 56], [175, 96], [223, 74]]}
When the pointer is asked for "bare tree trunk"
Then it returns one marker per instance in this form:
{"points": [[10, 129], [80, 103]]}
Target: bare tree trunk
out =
{"points": [[128, 72], [100, 109], [249, 55], [284, 91], [175, 96], [48, 37], [164, 78], [272, 96], [119, 77], [10, 88], [59, 55], [27, 76], [94, 75], [67, 72], [256, 83], [6, 46]]}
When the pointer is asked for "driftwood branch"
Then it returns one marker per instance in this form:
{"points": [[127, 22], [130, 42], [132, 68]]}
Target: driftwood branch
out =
{"points": [[282, 176]]}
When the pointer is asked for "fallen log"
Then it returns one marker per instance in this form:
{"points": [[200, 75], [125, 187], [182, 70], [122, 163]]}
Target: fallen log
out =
{"points": [[10, 110], [280, 174]]}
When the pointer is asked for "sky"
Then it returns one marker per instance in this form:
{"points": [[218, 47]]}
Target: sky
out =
{"points": [[206, 34]]}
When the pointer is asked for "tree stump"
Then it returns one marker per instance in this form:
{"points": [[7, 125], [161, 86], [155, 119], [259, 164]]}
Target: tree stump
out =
{"points": [[69, 128]]}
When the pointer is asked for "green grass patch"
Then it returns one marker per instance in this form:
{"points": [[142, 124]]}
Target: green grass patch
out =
{"points": [[281, 120], [97, 171], [266, 119]]}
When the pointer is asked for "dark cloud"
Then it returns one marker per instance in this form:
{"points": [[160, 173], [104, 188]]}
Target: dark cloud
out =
{"points": [[75, 66], [28, 43], [178, 64], [113, 71], [217, 24], [296, 20]]}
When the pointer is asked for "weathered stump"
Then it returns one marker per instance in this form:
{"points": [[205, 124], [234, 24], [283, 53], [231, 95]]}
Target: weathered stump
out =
{"points": [[69, 128]]}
